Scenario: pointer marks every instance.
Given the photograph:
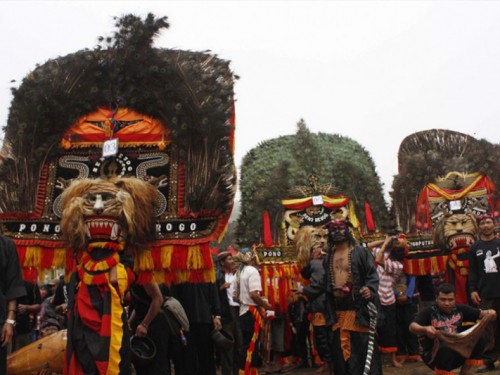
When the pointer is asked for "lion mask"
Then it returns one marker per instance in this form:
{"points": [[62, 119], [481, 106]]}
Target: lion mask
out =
{"points": [[455, 231], [116, 209], [307, 239]]}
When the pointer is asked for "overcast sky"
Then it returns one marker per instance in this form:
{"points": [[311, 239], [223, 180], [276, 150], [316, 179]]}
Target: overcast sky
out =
{"points": [[374, 71]]}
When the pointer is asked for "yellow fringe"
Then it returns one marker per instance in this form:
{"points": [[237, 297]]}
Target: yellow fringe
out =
{"points": [[144, 261], [33, 256], [166, 256], [194, 259], [209, 275], [159, 277], [421, 264], [182, 276], [410, 268], [59, 260]]}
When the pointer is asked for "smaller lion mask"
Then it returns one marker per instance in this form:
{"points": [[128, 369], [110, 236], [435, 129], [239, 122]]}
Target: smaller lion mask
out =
{"points": [[307, 239]]}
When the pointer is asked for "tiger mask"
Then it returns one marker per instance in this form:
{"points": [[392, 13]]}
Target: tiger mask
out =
{"points": [[455, 231], [116, 209]]}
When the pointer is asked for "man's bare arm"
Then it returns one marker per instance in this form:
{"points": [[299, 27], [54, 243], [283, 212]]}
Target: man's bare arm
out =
{"points": [[257, 298], [419, 330]]}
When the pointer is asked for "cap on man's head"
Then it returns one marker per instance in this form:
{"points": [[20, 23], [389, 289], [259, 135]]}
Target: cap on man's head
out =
{"points": [[245, 256], [483, 217], [223, 255], [247, 252]]}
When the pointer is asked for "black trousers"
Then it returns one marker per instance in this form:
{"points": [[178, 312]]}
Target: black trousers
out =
{"points": [[177, 355], [301, 341], [3, 360], [355, 365], [387, 335], [158, 332], [322, 339], [492, 355], [200, 351], [407, 342], [229, 358]]}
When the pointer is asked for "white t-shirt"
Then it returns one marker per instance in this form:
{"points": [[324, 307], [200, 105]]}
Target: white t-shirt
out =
{"points": [[230, 279], [249, 282]]}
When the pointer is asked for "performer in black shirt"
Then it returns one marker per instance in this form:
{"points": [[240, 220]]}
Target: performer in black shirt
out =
{"points": [[445, 315]]}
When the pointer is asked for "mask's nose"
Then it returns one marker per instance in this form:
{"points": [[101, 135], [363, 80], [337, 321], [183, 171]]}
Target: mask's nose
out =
{"points": [[98, 205]]}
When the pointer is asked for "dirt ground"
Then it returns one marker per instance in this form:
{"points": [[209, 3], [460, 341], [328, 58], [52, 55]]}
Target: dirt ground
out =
{"points": [[407, 369]]}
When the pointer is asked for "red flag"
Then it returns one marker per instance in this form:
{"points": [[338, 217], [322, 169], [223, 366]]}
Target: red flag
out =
{"points": [[369, 217], [268, 238]]}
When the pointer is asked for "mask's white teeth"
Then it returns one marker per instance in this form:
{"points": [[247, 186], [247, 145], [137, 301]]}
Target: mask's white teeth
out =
{"points": [[115, 231]]}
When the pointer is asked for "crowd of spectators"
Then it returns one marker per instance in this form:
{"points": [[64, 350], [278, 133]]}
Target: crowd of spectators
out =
{"points": [[259, 336]]}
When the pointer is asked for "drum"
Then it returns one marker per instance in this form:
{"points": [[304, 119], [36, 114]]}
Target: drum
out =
{"points": [[45, 354]]}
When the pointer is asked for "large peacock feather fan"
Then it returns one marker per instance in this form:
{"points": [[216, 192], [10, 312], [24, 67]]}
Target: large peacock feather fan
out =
{"points": [[426, 156], [189, 92]]}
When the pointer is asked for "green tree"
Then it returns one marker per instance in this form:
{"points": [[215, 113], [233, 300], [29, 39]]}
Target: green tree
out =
{"points": [[271, 169]]}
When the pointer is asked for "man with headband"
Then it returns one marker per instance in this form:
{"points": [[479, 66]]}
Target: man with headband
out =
{"points": [[484, 279], [350, 285]]}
